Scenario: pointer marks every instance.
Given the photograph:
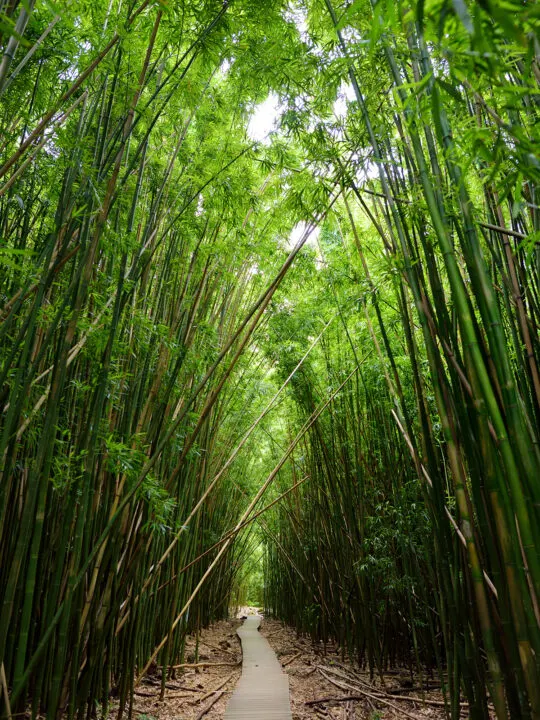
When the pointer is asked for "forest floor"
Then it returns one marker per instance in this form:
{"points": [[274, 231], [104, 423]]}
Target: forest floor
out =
{"points": [[200, 689], [319, 682]]}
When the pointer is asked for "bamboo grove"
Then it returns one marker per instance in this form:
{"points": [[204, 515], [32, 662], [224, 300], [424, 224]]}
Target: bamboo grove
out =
{"points": [[454, 203], [172, 363]]}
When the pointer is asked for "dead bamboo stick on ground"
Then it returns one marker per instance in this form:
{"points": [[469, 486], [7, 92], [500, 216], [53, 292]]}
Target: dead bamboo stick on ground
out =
{"points": [[218, 649], [343, 686], [362, 694], [333, 698], [215, 690], [389, 693], [290, 660], [210, 705], [206, 664]]}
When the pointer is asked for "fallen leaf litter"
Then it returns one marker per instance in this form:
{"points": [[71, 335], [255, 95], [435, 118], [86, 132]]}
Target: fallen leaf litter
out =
{"points": [[322, 683]]}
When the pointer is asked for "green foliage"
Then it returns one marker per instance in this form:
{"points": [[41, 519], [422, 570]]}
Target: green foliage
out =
{"points": [[149, 314]]}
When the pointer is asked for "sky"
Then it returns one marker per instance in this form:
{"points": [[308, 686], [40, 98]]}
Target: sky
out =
{"points": [[266, 114], [264, 119]]}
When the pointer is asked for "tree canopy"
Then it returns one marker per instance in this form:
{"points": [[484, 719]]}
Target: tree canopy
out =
{"points": [[313, 338]]}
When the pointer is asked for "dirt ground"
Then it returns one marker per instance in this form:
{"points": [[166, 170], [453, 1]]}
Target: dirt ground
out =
{"points": [[199, 690], [321, 686]]}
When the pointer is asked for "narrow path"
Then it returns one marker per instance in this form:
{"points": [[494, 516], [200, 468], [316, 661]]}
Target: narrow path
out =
{"points": [[263, 690]]}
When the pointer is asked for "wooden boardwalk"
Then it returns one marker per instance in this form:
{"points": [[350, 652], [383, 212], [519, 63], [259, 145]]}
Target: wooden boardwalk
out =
{"points": [[263, 690]]}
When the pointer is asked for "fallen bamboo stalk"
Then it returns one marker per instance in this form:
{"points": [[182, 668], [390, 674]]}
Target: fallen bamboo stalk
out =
{"points": [[362, 695], [168, 686], [332, 698], [416, 688], [210, 705], [218, 649], [343, 686], [215, 690], [388, 694], [290, 660], [206, 664]]}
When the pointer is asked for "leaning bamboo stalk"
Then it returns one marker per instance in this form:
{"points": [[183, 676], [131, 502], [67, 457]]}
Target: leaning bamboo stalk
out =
{"points": [[5, 690], [126, 499], [242, 520], [429, 481], [71, 358], [242, 443], [231, 534], [57, 123], [29, 54], [69, 93], [13, 42]]}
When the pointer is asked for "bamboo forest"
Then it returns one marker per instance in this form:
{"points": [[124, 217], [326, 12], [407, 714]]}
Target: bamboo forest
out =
{"points": [[269, 335]]}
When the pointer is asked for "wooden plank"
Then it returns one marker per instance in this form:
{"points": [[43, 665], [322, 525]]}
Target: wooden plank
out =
{"points": [[262, 692]]}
